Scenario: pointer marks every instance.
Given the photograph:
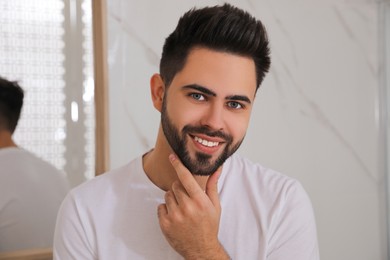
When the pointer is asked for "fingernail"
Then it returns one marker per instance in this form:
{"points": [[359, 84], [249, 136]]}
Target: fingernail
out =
{"points": [[172, 157]]}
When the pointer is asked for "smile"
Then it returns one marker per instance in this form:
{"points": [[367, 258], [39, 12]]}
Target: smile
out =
{"points": [[205, 142]]}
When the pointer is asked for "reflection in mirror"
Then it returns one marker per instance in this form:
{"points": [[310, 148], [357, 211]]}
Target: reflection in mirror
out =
{"points": [[47, 47]]}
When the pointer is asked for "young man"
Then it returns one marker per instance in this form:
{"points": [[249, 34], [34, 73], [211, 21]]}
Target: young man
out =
{"points": [[31, 190], [191, 197]]}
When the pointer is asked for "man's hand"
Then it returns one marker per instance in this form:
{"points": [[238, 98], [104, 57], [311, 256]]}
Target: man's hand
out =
{"points": [[190, 217]]}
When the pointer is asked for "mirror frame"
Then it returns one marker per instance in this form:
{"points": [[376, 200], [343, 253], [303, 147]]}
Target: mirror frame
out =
{"points": [[99, 24]]}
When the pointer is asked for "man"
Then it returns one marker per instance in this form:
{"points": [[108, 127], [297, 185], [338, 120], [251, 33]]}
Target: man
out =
{"points": [[31, 190], [210, 202]]}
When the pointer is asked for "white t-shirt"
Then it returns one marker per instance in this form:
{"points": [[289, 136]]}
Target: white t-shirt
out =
{"points": [[31, 192], [265, 215]]}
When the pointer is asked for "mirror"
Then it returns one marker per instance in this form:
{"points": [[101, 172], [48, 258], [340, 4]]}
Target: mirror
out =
{"points": [[48, 50], [46, 46]]}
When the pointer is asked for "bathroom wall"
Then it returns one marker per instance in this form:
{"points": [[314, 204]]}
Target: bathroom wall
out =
{"points": [[316, 117]]}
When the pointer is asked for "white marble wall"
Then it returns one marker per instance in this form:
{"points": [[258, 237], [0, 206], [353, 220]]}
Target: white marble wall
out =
{"points": [[315, 117]]}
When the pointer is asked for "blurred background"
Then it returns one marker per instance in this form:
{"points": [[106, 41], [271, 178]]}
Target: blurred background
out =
{"points": [[321, 115]]}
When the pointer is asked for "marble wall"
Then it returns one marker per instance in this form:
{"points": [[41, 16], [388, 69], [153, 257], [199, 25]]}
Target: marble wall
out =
{"points": [[316, 116]]}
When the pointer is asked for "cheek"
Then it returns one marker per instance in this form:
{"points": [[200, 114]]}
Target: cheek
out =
{"points": [[239, 132], [182, 114], [238, 127]]}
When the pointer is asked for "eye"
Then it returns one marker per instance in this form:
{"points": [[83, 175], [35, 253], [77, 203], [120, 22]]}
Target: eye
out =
{"points": [[197, 96], [235, 105]]}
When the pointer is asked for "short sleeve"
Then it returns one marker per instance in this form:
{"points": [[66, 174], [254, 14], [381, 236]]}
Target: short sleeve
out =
{"points": [[72, 238], [293, 234]]}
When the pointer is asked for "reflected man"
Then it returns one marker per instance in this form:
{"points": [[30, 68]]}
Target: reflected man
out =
{"points": [[31, 190]]}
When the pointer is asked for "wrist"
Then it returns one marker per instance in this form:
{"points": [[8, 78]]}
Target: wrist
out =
{"points": [[217, 252]]}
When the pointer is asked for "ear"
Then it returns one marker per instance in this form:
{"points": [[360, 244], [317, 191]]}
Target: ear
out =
{"points": [[157, 91]]}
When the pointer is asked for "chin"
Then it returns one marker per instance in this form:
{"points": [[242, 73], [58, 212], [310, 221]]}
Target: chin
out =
{"points": [[202, 164]]}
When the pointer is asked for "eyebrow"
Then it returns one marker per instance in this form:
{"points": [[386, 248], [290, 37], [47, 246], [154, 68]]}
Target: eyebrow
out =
{"points": [[200, 89], [212, 93], [239, 98]]}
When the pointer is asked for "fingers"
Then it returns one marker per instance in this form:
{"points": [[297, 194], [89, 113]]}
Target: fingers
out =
{"points": [[180, 193], [170, 201], [187, 180], [212, 187], [191, 186], [170, 205], [162, 211]]}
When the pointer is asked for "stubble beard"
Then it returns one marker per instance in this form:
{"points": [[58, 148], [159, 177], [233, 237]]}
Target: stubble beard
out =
{"points": [[200, 165]]}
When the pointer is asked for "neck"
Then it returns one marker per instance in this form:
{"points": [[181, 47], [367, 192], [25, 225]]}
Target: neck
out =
{"points": [[158, 167], [6, 139]]}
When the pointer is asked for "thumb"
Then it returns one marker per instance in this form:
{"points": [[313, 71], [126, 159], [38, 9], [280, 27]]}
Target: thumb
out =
{"points": [[212, 187]]}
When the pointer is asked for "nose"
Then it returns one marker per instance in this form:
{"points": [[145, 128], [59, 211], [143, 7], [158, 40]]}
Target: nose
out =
{"points": [[213, 117]]}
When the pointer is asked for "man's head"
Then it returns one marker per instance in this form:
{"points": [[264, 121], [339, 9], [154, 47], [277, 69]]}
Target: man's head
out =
{"points": [[210, 70], [220, 28], [11, 102]]}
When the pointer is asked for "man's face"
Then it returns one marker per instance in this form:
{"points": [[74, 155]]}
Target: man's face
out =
{"points": [[206, 109]]}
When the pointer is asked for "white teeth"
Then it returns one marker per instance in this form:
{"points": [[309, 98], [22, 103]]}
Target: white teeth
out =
{"points": [[205, 142]]}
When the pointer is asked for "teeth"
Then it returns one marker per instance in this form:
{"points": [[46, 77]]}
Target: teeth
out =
{"points": [[205, 142]]}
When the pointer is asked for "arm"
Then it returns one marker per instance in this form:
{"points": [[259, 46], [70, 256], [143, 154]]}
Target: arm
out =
{"points": [[190, 217]]}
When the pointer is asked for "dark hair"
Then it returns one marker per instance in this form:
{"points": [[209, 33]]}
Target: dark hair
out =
{"points": [[222, 28], [11, 102]]}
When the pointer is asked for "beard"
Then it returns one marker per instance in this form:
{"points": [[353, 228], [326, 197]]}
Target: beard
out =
{"points": [[202, 164]]}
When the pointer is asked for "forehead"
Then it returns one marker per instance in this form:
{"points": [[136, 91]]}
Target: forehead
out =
{"points": [[224, 73]]}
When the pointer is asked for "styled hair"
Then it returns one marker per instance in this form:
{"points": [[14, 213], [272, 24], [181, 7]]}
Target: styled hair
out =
{"points": [[221, 28], [11, 103]]}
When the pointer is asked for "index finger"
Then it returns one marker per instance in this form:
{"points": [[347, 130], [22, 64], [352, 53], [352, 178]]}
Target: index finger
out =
{"points": [[185, 176]]}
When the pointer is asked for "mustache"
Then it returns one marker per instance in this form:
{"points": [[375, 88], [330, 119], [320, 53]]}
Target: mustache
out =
{"points": [[206, 131]]}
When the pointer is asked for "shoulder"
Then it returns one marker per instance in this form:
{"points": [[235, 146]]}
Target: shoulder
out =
{"points": [[22, 165], [13, 155], [242, 169], [282, 202], [271, 189], [96, 199]]}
